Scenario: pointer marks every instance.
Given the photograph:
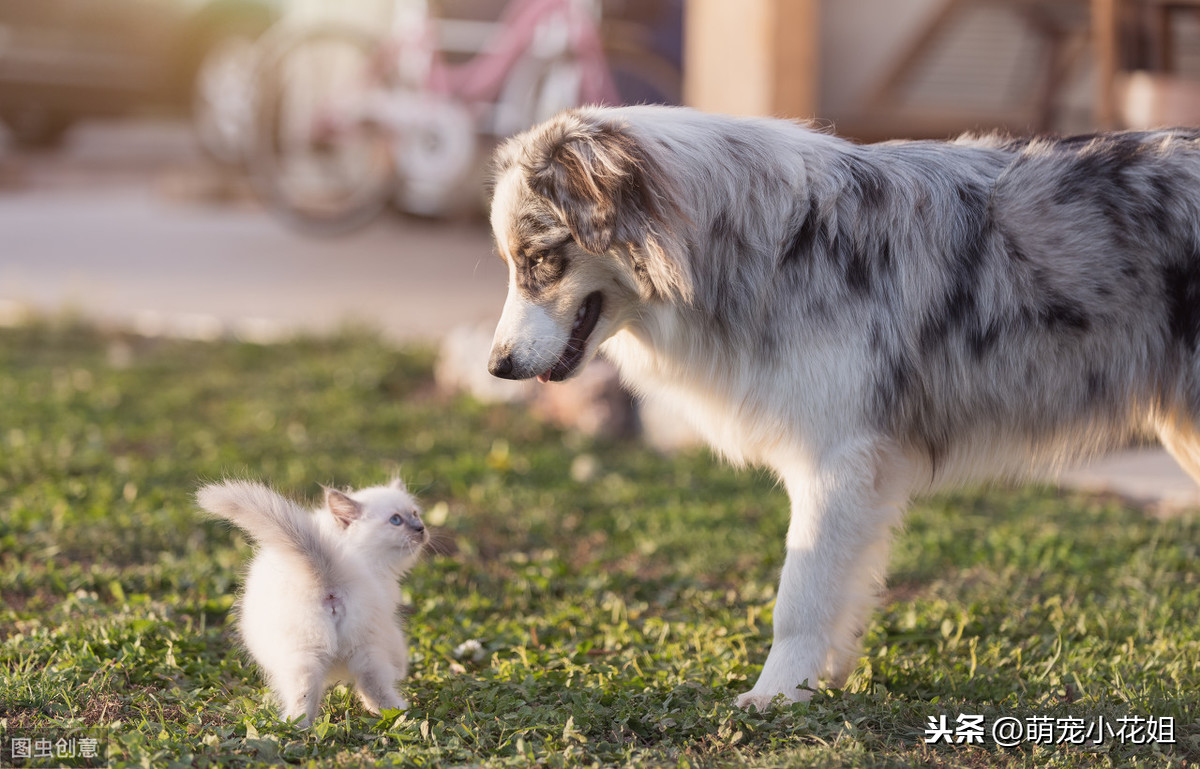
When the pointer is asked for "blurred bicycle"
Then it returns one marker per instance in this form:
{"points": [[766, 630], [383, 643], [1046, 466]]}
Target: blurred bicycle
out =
{"points": [[348, 122]]}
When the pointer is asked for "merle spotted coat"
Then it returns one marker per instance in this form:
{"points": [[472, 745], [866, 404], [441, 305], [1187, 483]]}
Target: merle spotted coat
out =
{"points": [[868, 321]]}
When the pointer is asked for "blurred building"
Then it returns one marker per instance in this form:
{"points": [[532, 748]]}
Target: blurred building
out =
{"points": [[930, 68], [873, 68], [62, 61]]}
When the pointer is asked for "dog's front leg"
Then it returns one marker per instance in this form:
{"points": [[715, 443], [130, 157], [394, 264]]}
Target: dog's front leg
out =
{"points": [[843, 512]]}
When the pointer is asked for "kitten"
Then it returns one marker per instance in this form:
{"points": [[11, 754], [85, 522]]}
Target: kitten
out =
{"points": [[321, 595]]}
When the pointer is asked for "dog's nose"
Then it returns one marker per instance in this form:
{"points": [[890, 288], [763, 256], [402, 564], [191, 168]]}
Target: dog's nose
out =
{"points": [[501, 366]]}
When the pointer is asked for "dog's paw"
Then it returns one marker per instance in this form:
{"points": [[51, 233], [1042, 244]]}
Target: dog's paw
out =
{"points": [[762, 701], [759, 702]]}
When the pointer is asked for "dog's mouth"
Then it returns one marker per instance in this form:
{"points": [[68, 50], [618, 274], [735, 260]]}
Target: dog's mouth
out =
{"points": [[571, 356]]}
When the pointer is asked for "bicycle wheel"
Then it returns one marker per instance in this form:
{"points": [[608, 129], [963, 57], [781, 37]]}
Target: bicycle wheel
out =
{"points": [[223, 99], [320, 159]]}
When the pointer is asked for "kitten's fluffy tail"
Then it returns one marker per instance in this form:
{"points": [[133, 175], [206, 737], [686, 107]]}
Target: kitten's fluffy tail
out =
{"points": [[271, 520]]}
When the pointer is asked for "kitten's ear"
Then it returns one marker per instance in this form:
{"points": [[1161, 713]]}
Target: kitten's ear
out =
{"points": [[344, 509], [397, 484]]}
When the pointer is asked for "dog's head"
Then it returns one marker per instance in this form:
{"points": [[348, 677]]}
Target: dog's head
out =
{"points": [[585, 219]]}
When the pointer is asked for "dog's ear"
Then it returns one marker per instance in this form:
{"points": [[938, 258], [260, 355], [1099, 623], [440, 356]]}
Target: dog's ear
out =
{"points": [[586, 171], [609, 191]]}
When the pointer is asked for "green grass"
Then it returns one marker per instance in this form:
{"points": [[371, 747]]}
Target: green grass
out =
{"points": [[619, 614]]}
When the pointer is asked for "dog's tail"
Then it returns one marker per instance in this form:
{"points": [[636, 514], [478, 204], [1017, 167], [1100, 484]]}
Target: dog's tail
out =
{"points": [[271, 520]]}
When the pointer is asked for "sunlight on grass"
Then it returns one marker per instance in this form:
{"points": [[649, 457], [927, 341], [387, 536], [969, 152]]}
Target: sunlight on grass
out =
{"points": [[615, 619]]}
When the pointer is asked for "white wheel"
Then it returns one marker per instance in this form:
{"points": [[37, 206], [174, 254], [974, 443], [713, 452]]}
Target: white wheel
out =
{"points": [[223, 100], [320, 158], [433, 156]]}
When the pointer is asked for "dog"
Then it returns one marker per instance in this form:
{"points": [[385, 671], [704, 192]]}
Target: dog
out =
{"points": [[868, 321]]}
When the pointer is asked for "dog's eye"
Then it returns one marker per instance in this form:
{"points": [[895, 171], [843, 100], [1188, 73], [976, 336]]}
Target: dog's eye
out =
{"points": [[547, 260], [542, 268]]}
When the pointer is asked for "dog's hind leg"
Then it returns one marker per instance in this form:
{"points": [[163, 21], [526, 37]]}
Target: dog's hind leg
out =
{"points": [[1180, 436], [842, 515]]}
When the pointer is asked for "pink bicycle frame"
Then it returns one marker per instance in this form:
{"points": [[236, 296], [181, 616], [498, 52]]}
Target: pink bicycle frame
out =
{"points": [[481, 78]]}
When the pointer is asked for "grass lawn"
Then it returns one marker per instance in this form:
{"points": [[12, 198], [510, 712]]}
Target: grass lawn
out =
{"points": [[620, 599]]}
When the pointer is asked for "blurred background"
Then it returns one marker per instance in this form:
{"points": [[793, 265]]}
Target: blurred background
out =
{"points": [[176, 162], [257, 168]]}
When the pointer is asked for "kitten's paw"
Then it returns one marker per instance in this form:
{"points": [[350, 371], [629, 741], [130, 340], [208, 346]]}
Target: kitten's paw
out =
{"points": [[399, 706], [384, 703], [301, 721]]}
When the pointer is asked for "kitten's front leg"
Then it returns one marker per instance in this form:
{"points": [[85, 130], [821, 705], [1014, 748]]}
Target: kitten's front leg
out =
{"points": [[398, 646]]}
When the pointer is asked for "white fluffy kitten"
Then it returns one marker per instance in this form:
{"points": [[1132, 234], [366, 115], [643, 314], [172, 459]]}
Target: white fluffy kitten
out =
{"points": [[321, 595]]}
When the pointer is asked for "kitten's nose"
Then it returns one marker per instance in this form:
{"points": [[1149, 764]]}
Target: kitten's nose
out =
{"points": [[417, 525]]}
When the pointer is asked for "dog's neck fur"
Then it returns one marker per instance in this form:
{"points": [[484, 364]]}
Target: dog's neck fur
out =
{"points": [[738, 290], [670, 347]]}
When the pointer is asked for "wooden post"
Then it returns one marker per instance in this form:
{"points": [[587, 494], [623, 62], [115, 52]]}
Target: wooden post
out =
{"points": [[753, 57], [1105, 15]]}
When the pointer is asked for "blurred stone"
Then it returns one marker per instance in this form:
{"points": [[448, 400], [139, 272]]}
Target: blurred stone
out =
{"points": [[462, 367], [584, 468], [664, 428], [593, 402]]}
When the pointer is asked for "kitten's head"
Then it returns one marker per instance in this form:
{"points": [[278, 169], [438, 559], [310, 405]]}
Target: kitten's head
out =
{"points": [[383, 521]]}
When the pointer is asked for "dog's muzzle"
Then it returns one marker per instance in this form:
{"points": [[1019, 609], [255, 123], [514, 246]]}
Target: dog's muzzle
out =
{"points": [[542, 351], [501, 365]]}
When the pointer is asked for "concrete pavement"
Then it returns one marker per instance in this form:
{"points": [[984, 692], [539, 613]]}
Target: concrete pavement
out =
{"points": [[132, 258], [1146, 476], [113, 229]]}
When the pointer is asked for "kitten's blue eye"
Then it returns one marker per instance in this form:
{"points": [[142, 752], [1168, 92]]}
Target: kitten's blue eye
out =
{"points": [[396, 520]]}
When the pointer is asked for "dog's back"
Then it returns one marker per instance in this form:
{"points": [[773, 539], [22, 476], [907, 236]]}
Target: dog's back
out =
{"points": [[1055, 306], [1007, 301]]}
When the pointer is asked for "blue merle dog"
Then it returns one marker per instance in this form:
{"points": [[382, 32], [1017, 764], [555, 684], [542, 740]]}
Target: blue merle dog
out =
{"points": [[869, 322]]}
